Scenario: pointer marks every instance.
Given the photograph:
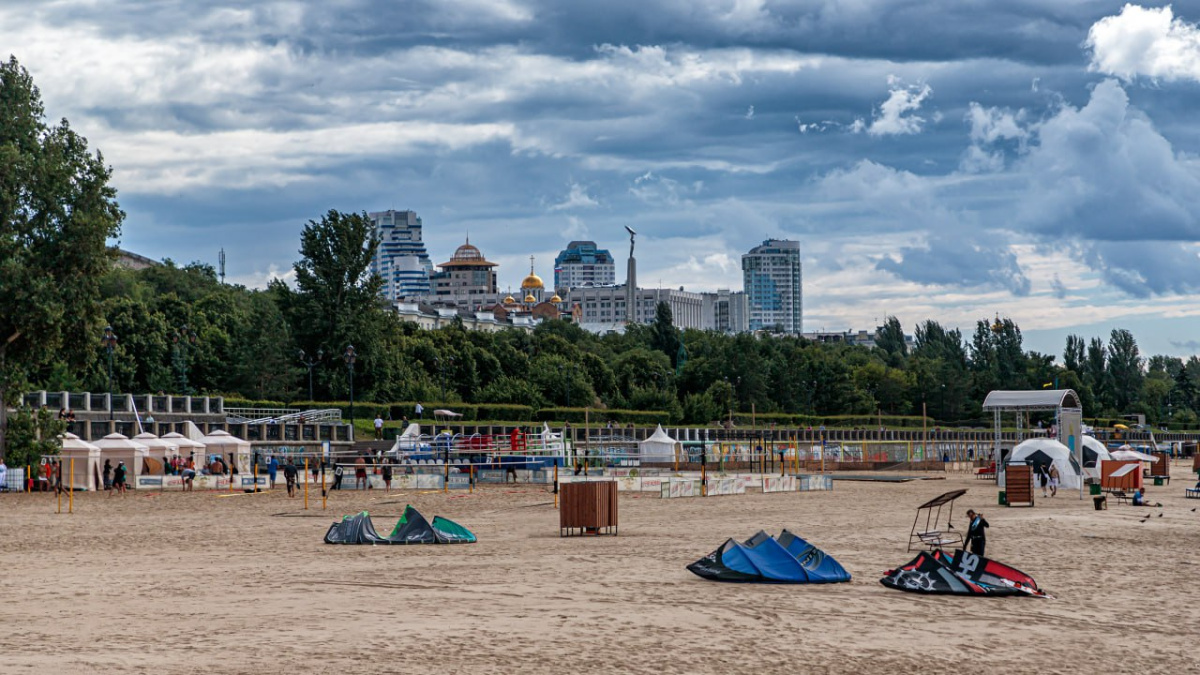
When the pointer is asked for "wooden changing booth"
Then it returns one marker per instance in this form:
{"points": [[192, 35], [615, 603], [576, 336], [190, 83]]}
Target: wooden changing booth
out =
{"points": [[1018, 485], [588, 508]]}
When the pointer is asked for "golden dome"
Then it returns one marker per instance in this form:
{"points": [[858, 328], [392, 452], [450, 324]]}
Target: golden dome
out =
{"points": [[555, 299], [532, 281], [529, 299], [510, 300]]}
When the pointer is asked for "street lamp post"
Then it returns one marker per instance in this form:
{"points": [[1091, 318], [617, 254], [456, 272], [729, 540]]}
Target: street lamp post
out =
{"points": [[350, 356], [311, 363], [109, 342], [183, 337]]}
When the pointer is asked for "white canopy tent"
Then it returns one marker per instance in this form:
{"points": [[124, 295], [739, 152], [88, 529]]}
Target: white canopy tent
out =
{"points": [[159, 448], [119, 448], [659, 447], [1094, 452], [1047, 451], [87, 463], [223, 443], [1068, 420]]}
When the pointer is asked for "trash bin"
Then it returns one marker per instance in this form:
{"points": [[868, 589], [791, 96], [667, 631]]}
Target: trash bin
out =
{"points": [[1094, 488], [1101, 502], [1003, 501], [1158, 481]]}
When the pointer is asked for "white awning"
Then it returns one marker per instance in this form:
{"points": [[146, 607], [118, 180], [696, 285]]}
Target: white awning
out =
{"points": [[1046, 399]]}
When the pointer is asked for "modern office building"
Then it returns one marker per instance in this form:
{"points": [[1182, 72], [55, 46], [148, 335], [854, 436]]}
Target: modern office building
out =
{"points": [[401, 260], [582, 264], [468, 279], [771, 274]]}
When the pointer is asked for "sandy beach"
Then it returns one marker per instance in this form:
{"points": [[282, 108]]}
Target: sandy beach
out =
{"points": [[181, 583]]}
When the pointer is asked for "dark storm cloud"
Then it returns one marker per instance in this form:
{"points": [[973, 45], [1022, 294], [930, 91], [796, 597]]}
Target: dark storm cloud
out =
{"points": [[958, 260]]}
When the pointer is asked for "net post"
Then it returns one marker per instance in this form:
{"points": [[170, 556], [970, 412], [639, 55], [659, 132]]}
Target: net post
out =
{"points": [[57, 480], [306, 479], [71, 494], [324, 492], [556, 484]]}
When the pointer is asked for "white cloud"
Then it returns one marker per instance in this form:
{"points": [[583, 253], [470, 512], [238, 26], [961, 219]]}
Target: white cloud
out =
{"points": [[1147, 42], [989, 125], [750, 113], [577, 198], [896, 114]]}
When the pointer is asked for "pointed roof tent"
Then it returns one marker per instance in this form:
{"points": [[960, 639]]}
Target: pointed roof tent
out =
{"points": [[659, 447], [1047, 399], [87, 464]]}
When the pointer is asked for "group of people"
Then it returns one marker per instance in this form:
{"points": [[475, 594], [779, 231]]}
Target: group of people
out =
{"points": [[291, 473], [115, 477], [1048, 478]]}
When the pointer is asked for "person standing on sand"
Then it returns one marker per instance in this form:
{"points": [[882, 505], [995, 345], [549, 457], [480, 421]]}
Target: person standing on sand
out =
{"points": [[108, 473], [272, 470], [1044, 479], [337, 478], [360, 473], [289, 477], [387, 477], [976, 535], [1053, 480], [119, 479]]}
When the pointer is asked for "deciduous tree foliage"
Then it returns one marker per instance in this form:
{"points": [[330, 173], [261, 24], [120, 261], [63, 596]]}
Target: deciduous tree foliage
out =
{"points": [[57, 212]]}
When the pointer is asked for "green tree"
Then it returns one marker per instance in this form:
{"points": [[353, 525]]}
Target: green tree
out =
{"points": [[33, 434], [890, 339], [57, 212], [1124, 368]]}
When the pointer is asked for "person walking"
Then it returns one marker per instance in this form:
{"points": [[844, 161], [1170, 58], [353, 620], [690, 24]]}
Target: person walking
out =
{"points": [[272, 470], [119, 479], [108, 475], [976, 534], [1053, 480], [337, 478], [420, 410], [1044, 479], [289, 477], [378, 428]]}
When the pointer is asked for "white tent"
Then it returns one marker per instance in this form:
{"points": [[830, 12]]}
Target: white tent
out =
{"points": [[1094, 452], [160, 448], [1126, 453], [552, 443], [119, 448], [1044, 451], [87, 463], [223, 443], [659, 447]]}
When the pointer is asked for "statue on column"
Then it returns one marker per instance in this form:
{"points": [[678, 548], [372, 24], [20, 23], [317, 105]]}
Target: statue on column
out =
{"points": [[632, 234]]}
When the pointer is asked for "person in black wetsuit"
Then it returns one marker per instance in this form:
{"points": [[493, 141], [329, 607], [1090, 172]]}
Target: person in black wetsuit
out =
{"points": [[976, 534], [289, 477]]}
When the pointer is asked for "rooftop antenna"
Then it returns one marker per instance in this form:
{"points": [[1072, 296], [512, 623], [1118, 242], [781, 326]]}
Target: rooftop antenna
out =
{"points": [[221, 263]]}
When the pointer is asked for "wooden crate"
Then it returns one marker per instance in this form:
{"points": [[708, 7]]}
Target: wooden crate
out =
{"points": [[1018, 484], [588, 508]]}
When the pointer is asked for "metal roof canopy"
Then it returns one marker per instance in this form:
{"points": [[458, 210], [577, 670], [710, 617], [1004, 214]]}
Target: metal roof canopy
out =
{"points": [[1021, 401]]}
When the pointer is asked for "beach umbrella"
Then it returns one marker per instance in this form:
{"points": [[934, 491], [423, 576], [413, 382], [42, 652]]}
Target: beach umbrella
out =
{"points": [[1128, 454]]}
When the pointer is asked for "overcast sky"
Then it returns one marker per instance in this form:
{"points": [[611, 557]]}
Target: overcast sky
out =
{"points": [[945, 159]]}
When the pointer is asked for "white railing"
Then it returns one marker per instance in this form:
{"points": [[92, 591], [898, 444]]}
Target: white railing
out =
{"points": [[281, 416]]}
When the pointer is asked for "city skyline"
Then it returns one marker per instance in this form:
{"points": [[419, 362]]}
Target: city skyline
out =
{"points": [[934, 161]]}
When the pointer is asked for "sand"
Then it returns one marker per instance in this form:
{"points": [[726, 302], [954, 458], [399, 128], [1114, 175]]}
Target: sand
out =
{"points": [[184, 583]]}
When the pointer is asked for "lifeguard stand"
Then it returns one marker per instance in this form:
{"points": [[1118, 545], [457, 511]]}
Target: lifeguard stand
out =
{"points": [[931, 533]]}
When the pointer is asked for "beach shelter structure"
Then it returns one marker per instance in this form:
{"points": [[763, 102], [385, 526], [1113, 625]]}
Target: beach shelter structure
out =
{"points": [[120, 448], [186, 445], [659, 447], [223, 443], [159, 450], [87, 469], [765, 559], [1068, 420], [1044, 452], [1094, 452]]}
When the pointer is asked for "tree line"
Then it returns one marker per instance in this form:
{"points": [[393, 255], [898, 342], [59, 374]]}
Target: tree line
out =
{"points": [[180, 330]]}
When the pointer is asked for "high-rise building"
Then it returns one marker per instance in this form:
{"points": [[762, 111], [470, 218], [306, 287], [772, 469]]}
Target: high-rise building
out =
{"points": [[401, 259], [582, 264], [725, 311], [771, 274], [467, 279]]}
